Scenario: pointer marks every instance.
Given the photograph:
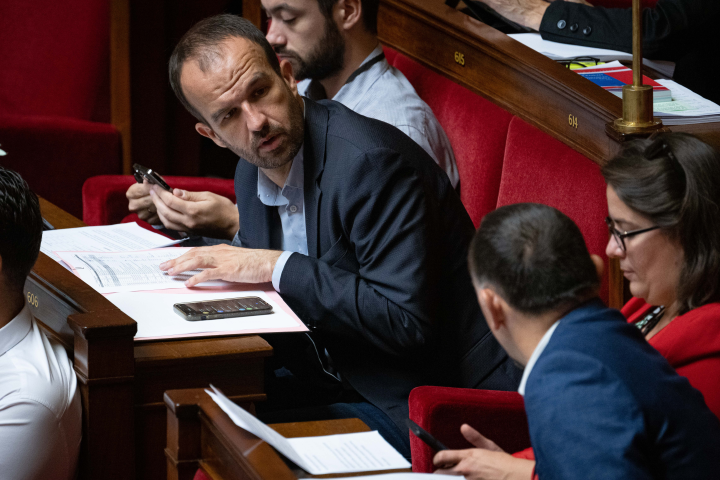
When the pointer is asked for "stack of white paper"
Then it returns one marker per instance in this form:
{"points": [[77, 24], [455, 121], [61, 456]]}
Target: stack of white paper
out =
{"points": [[129, 271], [124, 237], [345, 453], [687, 107], [116, 262], [565, 51]]}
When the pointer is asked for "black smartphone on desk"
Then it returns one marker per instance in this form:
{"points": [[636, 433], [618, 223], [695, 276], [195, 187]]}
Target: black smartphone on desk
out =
{"points": [[143, 173], [431, 441], [224, 308]]}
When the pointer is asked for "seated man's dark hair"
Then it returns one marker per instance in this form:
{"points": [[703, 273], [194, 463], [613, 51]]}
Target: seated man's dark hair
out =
{"points": [[673, 180], [534, 256], [20, 228], [200, 43], [369, 12]]}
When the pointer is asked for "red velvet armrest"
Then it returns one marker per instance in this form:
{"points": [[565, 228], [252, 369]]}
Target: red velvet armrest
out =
{"points": [[55, 155], [500, 416], [104, 201]]}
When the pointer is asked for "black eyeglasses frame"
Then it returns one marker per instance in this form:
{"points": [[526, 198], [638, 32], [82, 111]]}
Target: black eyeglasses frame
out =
{"points": [[621, 236]]}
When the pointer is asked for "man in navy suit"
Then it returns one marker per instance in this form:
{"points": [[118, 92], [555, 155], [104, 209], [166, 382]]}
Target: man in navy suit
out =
{"points": [[600, 401], [358, 229]]}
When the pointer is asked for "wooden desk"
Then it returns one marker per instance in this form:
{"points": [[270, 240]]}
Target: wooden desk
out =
{"points": [[200, 434], [511, 75], [122, 382]]}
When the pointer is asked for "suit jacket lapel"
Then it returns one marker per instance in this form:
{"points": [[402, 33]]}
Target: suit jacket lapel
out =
{"points": [[316, 125], [253, 212]]}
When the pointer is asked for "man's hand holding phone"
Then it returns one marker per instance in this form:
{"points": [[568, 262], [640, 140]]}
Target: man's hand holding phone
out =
{"points": [[485, 461], [202, 213]]}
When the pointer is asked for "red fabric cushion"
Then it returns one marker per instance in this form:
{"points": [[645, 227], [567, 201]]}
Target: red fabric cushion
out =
{"points": [[500, 416], [104, 201], [54, 56], [541, 169], [390, 54], [201, 475], [476, 128], [56, 155]]}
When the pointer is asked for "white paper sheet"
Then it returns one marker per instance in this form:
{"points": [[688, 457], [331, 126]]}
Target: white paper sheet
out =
{"points": [[686, 107], [129, 271], [345, 453], [111, 238], [156, 318], [564, 51]]}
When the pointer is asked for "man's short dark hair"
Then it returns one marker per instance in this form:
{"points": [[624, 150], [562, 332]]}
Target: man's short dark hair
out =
{"points": [[534, 256], [201, 43], [369, 12], [20, 228]]}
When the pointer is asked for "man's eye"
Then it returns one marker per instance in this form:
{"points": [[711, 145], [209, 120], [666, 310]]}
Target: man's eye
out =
{"points": [[229, 114], [288, 21], [261, 91]]}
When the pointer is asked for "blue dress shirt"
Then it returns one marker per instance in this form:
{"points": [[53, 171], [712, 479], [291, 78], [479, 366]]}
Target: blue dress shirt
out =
{"points": [[290, 203]]}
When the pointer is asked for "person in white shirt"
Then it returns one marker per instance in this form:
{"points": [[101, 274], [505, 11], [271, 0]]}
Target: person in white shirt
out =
{"points": [[333, 48], [40, 411]]}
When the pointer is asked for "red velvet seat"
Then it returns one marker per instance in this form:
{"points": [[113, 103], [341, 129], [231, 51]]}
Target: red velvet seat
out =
{"points": [[441, 411], [538, 168], [475, 127], [54, 95]]}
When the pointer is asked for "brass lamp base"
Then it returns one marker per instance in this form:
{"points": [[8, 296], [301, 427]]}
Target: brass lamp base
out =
{"points": [[637, 112]]}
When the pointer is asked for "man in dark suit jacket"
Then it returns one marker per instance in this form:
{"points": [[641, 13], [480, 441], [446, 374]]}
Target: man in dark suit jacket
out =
{"points": [[680, 31], [359, 230], [600, 401]]}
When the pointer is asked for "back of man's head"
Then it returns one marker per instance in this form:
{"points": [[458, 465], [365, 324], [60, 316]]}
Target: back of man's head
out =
{"points": [[202, 44], [534, 257], [20, 229]]}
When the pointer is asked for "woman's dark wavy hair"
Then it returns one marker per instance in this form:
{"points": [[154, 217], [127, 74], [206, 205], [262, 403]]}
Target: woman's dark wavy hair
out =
{"points": [[674, 181]]}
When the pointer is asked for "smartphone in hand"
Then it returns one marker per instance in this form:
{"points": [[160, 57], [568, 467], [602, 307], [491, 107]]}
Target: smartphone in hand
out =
{"points": [[143, 173], [431, 441]]}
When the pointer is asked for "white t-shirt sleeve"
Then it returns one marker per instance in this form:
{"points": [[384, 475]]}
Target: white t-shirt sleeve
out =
{"points": [[27, 430]]}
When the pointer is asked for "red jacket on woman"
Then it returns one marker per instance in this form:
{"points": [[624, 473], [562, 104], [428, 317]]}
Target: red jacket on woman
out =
{"points": [[691, 344]]}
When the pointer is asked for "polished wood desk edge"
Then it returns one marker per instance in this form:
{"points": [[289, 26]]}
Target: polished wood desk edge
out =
{"points": [[200, 434]]}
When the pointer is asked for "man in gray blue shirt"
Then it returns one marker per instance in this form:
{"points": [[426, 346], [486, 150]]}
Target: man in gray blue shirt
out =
{"points": [[333, 48]]}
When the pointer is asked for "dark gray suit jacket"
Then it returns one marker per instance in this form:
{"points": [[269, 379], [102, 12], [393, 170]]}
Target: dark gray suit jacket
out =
{"points": [[681, 31], [385, 284]]}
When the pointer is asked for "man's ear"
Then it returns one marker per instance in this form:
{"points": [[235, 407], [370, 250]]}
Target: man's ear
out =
{"points": [[492, 305], [286, 72], [208, 132], [348, 13]]}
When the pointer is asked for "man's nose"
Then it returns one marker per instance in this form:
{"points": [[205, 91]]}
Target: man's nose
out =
{"points": [[275, 36], [256, 119]]}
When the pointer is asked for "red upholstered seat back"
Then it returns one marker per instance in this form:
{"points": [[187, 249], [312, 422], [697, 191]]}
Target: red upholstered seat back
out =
{"points": [[54, 57], [541, 169], [475, 127]]}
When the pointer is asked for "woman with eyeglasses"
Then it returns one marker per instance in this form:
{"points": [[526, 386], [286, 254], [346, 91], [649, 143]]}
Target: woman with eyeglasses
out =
{"points": [[664, 219], [664, 216]]}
